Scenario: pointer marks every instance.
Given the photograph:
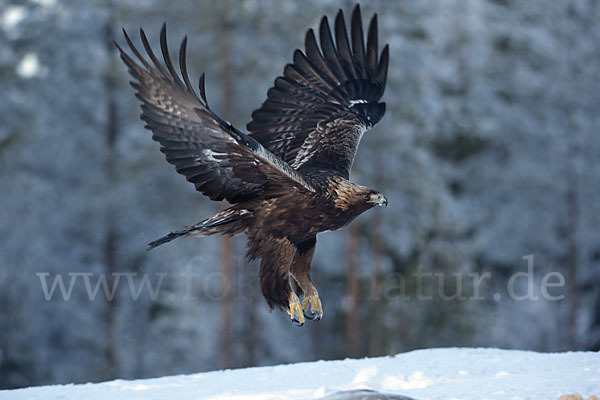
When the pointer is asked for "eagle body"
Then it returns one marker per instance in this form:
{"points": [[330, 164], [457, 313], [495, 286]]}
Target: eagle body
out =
{"points": [[287, 178], [291, 222], [299, 215]]}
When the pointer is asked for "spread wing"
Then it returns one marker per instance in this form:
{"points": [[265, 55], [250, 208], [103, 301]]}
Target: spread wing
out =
{"points": [[221, 161], [316, 113]]}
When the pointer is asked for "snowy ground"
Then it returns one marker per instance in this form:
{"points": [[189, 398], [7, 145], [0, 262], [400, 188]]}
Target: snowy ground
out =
{"points": [[422, 374]]}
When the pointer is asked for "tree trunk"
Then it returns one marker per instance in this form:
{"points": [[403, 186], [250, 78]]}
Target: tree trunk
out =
{"points": [[109, 250], [225, 353], [251, 324], [572, 258], [375, 342], [569, 108], [352, 328]]}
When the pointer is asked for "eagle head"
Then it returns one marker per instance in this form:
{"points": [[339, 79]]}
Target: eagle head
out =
{"points": [[353, 199], [375, 198], [347, 195]]}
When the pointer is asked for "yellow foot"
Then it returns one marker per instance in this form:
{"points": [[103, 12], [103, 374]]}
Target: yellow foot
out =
{"points": [[312, 308], [295, 312]]}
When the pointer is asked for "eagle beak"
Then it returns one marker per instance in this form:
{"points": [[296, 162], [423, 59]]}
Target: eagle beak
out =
{"points": [[378, 199], [383, 201]]}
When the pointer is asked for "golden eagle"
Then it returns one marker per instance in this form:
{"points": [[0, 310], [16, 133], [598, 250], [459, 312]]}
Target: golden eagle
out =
{"points": [[287, 178]]}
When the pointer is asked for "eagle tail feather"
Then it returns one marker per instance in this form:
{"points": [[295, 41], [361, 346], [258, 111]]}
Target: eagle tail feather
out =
{"points": [[228, 222]]}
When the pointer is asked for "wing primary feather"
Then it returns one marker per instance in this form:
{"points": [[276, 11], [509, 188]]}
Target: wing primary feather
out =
{"points": [[202, 88], [301, 61], [358, 45], [343, 46], [314, 55], [148, 49], [183, 67], [372, 48], [135, 51], [117, 45], [127, 59], [382, 68], [329, 50], [165, 52], [134, 69]]}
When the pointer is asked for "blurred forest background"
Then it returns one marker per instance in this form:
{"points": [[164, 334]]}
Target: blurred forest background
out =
{"points": [[488, 153]]}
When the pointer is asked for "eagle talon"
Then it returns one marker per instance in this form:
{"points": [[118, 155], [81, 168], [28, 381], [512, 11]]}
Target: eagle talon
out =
{"points": [[312, 308], [309, 316], [296, 314]]}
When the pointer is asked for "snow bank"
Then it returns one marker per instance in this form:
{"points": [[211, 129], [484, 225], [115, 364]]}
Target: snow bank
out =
{"points": [[455, 373]]}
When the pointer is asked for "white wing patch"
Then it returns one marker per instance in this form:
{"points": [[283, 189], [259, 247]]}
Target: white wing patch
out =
{"points": [[352, 103], [210, 155]]}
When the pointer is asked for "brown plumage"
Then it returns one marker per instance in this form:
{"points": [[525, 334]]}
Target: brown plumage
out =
{"points": [[287, 180]]}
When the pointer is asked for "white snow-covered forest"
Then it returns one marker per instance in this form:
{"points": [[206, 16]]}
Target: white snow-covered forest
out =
{"points": [[488, 155]]}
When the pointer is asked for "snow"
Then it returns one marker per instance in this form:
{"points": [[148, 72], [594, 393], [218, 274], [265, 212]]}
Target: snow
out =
{"points": [[448, 373], [29, 66]]}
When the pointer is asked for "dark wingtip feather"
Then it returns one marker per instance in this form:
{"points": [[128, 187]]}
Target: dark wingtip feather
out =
{"points": [[312, 47], [124, 56], [151, 54], [183, 66], [165, 52], [324, 31], [329, 50], [382, 68], [340, 17], [135, 52], [163, 32], [356, 15], [343, 46], [117, 45], [202, 88], [372, 48], [126, 37], [357, 36]]}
